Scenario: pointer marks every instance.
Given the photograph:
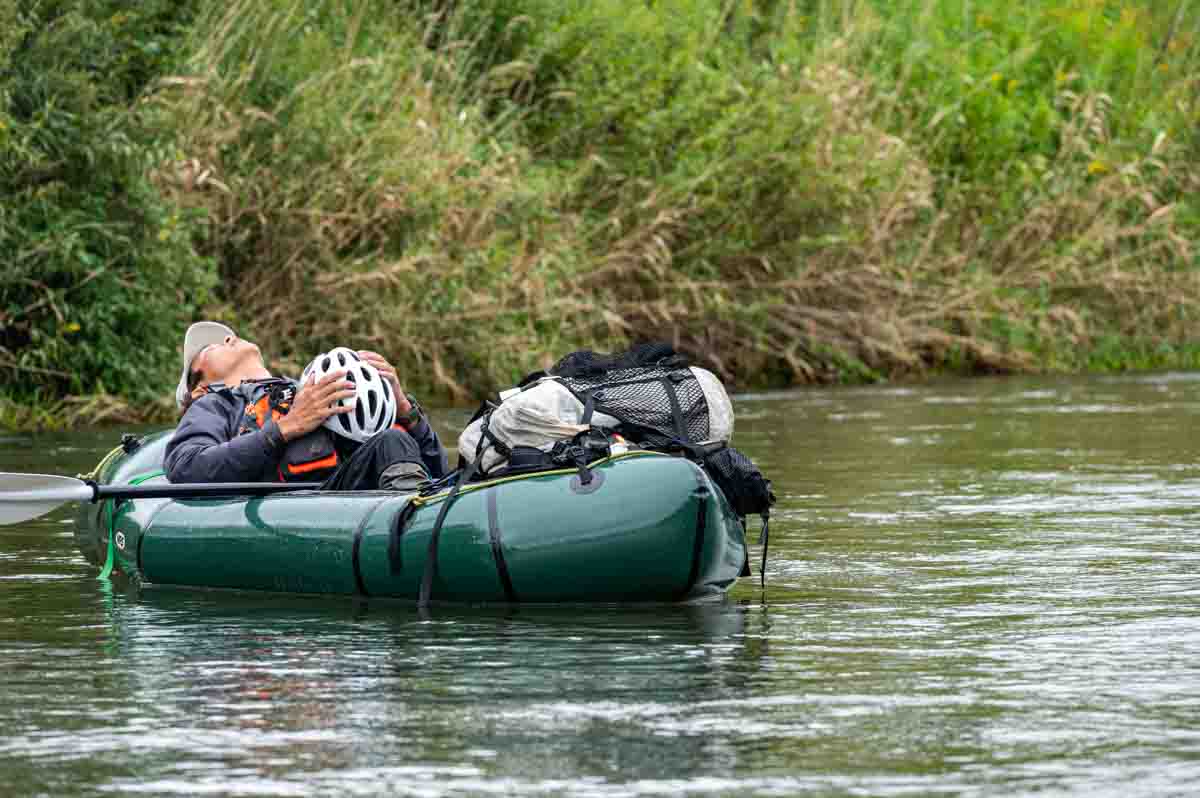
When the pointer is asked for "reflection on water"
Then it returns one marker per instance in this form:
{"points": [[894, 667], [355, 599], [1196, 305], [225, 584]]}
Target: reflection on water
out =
{"points": [[979, 588]]}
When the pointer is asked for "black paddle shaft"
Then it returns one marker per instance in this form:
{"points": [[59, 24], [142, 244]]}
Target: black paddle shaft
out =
{"points": [[199, 490]]}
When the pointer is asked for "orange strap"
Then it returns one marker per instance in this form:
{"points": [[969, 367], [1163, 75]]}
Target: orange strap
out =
{"points": [[315, 465]]}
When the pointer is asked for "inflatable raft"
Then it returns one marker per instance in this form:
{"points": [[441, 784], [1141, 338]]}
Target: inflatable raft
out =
{"points": [[648, 527]]}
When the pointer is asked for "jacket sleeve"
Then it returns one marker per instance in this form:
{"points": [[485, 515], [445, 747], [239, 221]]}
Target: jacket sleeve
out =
{"points": [[432, 453], [205, 448]]}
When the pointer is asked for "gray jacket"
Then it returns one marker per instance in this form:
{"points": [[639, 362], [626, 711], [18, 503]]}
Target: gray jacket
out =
{"points": [[206, 446]]}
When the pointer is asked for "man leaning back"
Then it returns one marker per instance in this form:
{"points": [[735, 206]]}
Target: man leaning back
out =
{"points": [[242, 424]]}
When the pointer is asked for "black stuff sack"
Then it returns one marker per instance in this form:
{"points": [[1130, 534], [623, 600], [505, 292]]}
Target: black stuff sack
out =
{"points": [[747, 490]]}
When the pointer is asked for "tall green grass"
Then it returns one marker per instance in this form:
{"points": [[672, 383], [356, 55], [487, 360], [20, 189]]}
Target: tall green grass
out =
{"points": [[97, 272], [791, 190]]}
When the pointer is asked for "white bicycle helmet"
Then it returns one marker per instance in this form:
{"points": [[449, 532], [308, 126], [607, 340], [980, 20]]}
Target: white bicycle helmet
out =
{"points": [[374, 401]]}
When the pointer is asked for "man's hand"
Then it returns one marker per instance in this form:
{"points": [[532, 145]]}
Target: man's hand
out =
{"points": [[388, 372], [314, 403]]}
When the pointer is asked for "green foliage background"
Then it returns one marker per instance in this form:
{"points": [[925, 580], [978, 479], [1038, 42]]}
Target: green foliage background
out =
{"points": [[791, 190], [98, 272]]}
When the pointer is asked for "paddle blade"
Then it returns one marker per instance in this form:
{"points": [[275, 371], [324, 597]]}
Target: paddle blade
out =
{"points": [[26, 496]]}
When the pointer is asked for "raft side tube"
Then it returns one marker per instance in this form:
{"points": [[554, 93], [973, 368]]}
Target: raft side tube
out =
{"points": [[290, 543], [650, 531]]}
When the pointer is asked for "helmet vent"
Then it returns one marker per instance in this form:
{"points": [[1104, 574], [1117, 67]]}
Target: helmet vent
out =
{"points": [[325, 364], [350, 376], [373, 401], [358, 415]]}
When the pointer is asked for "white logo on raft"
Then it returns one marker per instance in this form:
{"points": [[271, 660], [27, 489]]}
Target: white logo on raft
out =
{"points": [[120, 541]]}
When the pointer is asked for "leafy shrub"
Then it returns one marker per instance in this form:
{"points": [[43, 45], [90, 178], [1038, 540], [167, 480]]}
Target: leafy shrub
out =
{"points": [[98, 272], [983, 79]]}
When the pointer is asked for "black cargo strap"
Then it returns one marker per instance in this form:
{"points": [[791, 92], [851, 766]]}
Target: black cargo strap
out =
{"points": [[580, 451], [583, 441], [399, 527], [443, 483], [497, 547], [486, 435], [572, 455], [589, 407], [431, 553], [676, 411], [763, 540]]}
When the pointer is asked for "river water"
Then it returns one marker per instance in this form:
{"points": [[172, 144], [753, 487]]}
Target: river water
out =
{"points": [[975, 588]]}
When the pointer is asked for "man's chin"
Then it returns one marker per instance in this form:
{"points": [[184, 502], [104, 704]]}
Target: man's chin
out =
{"points": [[251, 355]]}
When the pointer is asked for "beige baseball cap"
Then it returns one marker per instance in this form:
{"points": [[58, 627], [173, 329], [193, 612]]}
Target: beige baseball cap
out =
{"points": [[198, 336]]}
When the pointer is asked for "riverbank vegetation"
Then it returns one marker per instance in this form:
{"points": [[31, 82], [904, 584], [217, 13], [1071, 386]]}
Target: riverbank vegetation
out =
{"points": [[792, 190]]}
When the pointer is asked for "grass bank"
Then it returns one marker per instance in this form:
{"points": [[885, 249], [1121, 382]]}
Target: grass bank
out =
{"points": [[804, 191]]}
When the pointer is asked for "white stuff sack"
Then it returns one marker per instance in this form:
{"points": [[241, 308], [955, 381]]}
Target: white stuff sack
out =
{"points": [[720, 409], [539, 416]]}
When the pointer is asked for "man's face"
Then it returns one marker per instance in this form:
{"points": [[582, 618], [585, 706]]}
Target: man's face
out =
{"points": [[216, 362]]}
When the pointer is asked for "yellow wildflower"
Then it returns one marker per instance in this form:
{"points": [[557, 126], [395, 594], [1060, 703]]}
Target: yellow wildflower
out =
{"points": [[71, 327], [1098, 168], [1012, 86]]}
